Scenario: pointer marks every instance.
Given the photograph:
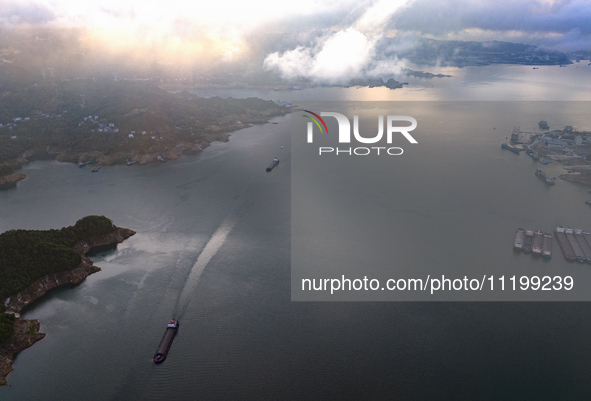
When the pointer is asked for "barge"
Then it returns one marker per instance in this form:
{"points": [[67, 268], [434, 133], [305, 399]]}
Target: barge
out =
{"points": [[583, 244], [529, 234], [565, 247], [166, 341], [542, 176], [537, 242], [547, 246], [519, 236], [511, 148], [273, 164], [570, 235]]}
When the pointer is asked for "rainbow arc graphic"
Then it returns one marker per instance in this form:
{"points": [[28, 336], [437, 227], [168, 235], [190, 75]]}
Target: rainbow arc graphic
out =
{"points": [[316, 121]]}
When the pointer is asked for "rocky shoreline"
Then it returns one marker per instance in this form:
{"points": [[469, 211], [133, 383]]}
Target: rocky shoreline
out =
{"points": [[26, 332]]}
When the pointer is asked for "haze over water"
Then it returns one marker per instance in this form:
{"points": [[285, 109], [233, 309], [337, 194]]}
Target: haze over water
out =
{"points": [[213, 239]]}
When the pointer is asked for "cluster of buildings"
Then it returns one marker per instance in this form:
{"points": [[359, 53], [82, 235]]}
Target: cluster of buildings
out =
{"points": [[558, 142], [282, 103]]}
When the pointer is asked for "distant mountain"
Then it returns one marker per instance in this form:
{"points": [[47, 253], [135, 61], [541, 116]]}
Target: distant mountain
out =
{"points": [[426, 51]]}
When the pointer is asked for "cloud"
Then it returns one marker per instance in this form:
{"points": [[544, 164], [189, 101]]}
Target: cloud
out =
{"points": [[338, 56], [25, 12]]}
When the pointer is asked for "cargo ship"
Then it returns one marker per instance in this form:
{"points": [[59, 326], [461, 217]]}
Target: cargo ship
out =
{"points": [[547, 246], [274, 163], [166, 341], [583, 244], [565, 247], [537, 242], [529, 234], [519, 236], [542, 176], [97, 168], [570, 235], [511, 148]]}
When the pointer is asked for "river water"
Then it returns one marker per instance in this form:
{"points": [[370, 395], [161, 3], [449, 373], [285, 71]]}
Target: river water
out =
{"points": [[213, 249]]}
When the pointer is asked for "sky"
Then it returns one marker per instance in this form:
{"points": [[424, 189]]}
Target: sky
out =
{"points": [[323, 38]]}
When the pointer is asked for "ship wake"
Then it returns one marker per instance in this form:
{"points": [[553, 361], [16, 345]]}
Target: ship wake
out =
{"points": [[215, 242]]}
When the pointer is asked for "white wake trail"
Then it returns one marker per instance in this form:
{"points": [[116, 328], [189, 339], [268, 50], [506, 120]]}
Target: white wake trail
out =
{"points": [[215, 242]]}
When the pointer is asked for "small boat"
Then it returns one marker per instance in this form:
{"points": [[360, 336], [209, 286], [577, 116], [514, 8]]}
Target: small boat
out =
{"points": [[166, 342], [534, 155], [97, 168], [160, 159], [511, 148], [273, 164], [131, 162], [529, 235], [588, 202], [519, 236], [83, 164], [571, 171], [542, 176], [547, 246], [538, 242], [544, 161]]}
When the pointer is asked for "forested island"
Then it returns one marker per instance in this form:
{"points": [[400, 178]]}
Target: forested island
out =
{"points": [[33, 262]]}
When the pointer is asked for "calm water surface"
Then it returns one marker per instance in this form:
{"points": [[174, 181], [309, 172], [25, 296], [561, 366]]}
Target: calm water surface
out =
{"points": [[240, 336]]}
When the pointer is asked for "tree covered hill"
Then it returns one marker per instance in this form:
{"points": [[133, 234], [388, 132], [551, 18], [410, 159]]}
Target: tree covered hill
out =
{"points": [[27, 255], [87, 115]]}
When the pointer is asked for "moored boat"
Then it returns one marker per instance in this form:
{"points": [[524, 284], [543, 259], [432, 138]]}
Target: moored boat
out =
{"points": [[97, 168], [565, 247], [579, 254], [537, 243], [547, 246], [84, 164], [519, 236], [166, 341], [511, 148], [529, 235], [583, 244], [161, 159], [131, 162], [542, 176]]}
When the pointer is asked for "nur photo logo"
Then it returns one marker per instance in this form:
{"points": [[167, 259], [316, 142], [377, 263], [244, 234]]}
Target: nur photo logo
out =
{"points": [[344, 136]]}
